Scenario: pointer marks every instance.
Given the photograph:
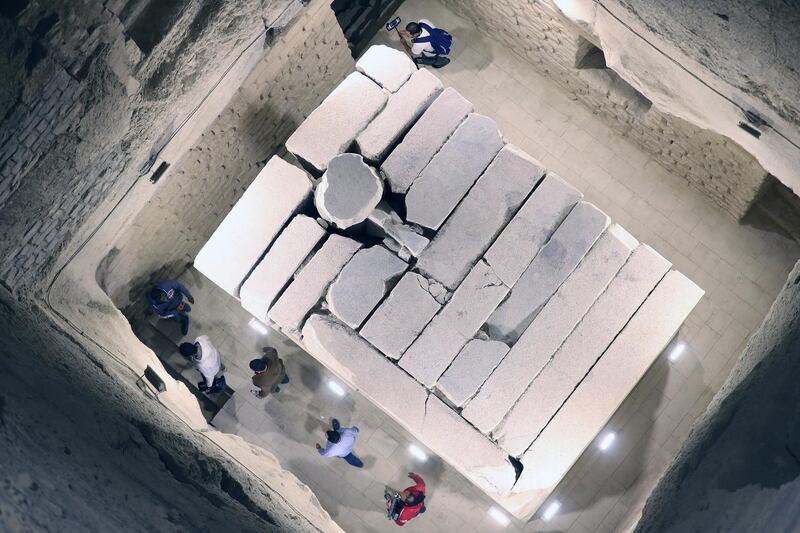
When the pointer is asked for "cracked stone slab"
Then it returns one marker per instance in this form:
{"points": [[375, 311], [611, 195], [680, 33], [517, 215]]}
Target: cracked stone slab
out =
{"points": [[540, 341], [472, 454], [386, 66], [470, 368], [333, 126], [548, 270], [385, 222], [348, 191], [401, 111], [351, 358], [309, 287], [458, 321], [424, 139], [402, 316], [265, 283], [606, 386], [240, 240], [610, 312], [480, 217], [362, 284], [452, 171], [530, 228]]}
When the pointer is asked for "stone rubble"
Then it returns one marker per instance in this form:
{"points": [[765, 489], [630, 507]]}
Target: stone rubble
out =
{"points": [[348, 191], [247, 231], [265, 283], [473, 364], [386, 66], [384, 221]]}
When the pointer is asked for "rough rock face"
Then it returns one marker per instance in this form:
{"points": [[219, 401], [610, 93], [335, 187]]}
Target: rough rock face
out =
{"points": [[386, 66], [348, 192], [387, 222], [473, 364]]}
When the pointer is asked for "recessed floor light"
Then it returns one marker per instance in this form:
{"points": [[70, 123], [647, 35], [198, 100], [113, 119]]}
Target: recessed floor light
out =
{"points": [[677, 351], [607, 441], [337, 389], [499, 516], [417, 452], [551, 511], [258, 326]]}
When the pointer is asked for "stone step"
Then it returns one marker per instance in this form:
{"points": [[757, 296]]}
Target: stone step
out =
{"points": [[388, 67], [452, 171], [424, 139], [480, 217], [473, 364], [247, 231], [265, 283]]}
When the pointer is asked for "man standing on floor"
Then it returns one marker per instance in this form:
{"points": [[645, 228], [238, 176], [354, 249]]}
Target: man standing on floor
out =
{"points": [[340, 443], [405, 505], [166, 300], [269, 372], [208, 362]]}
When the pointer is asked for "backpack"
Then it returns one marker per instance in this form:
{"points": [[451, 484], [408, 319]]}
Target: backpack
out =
{"points": [[440, 40]]}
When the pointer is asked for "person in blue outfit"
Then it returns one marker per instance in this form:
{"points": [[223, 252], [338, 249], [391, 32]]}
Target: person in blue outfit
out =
{"points": [[340, 444], [427, 44], [166, 300]]}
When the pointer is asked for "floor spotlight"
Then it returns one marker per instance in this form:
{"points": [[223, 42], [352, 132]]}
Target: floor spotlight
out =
{"points": [[607, 441], [260, 328], [417, 452], [499, 516], [337, 389], [677, 351], [551, 511]]}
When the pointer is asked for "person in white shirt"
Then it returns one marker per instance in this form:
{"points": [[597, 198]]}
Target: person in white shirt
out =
{"points": [[428, 44], [207, 359]]}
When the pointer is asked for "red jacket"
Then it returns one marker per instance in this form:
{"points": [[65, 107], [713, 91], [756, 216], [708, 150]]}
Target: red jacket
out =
{"points": [[410, 511]]}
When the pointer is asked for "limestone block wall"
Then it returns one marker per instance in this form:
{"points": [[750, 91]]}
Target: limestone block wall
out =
{"points": [[535, 32]]}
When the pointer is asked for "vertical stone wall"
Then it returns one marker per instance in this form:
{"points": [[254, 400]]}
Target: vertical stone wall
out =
{"points": [[302, 66], [715, 165]]}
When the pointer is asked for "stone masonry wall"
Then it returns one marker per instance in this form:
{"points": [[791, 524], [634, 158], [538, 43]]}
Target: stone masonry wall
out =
{"points": [[709, 162], [302, 66]]}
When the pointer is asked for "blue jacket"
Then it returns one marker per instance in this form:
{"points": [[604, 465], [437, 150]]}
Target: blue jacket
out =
{"points": [[174, 291]]}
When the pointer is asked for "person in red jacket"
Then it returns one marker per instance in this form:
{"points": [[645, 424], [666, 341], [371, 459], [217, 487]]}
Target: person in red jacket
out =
{"points": [[404, 506]]}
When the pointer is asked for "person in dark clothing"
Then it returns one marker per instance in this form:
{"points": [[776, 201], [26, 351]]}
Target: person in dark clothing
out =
{"points": [[405, 505], [269, 371], [166, 300]]}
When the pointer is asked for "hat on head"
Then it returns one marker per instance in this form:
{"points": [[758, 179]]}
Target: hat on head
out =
{"points": [[188, 349], [333, 436], [258, 365]]}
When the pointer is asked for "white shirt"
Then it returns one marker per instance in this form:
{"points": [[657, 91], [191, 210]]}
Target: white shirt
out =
{"points": [[423, 49], [207, 359]]}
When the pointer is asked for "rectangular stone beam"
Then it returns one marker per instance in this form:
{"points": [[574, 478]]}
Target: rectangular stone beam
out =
{"points": [[244, 235], [548, 270], [531, 227], [542, 338], [481, 216], [424, 139], [284, 257], [452, 171], [473, 364], [608, 383], [308, 288], [401, 111], [333, 126], [388, 67], [458, 321]]}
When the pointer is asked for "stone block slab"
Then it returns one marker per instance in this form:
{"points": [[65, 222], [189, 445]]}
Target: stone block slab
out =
{"points": [[308, 288], [348, 191], [606, 386], [363, 283], [424, 139], [547, 332], [386, 66], [452, 171], [402, 316], [284, 257], [470, 368], [458, 321], [400, 113], [480, 217], [548, 270], [531, 227], [333, 126], [385, 222], [277, 192]]}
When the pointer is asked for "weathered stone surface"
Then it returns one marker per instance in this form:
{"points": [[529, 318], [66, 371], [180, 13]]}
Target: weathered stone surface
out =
{"points": [[402, 316], [362, 283], [332, 127], [433, 351], [475, 456], [383, 221], [401, 111], [286, 254], [310, 285], [589, 408], [610, 313], [470, 368], [386, 66], [548, 270], [360, 365], [348, 192], [482, 214], [424, 139], [452, 171], [241, 239], [530, 228], [547, 332]]}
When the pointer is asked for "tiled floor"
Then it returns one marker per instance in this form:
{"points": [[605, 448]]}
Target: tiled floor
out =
{"points": [[741, 267]]}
